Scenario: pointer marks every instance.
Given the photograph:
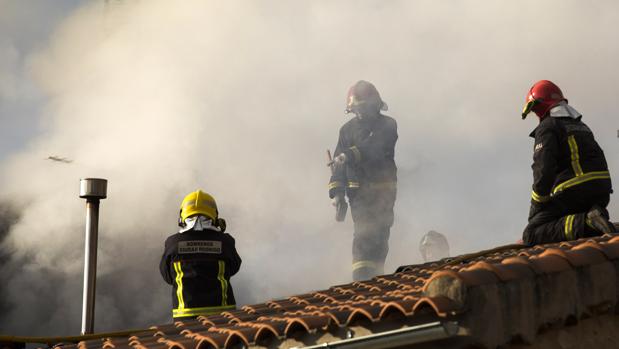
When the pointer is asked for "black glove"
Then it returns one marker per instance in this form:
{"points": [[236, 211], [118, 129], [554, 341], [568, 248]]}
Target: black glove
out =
{"points": [[333, 192]]}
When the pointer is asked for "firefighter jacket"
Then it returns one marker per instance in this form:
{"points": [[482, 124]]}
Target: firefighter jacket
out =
{"points": [[565, 155], [369, 145], [199, 265]]}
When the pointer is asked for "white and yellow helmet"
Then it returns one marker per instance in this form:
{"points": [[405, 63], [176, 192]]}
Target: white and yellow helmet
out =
{"points": [[198, 203]]}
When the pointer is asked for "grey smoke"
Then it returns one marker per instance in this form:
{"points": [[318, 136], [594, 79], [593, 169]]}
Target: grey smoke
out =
{"points": [[241, 99]]}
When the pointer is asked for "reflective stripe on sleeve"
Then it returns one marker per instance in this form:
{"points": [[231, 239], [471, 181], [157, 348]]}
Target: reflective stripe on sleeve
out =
{"points": [[200, 311], [334, 185], [224, 283], [353, 184], [575, 156], [363, 264], [539, 198], [179, 284]]}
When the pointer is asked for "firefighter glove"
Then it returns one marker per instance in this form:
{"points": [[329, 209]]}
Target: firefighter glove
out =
{"points": [[337, 199], [340, 160]]}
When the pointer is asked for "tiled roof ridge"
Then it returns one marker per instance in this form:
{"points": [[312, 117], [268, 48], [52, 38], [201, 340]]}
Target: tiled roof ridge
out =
{"points": [[501, 286], [521, 291]]}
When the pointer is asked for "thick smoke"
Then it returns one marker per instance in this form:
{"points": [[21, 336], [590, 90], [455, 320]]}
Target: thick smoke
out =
{"points": [[8, 217], [242, 99]]}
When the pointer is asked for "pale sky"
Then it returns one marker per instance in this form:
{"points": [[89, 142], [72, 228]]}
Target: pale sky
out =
{"points": [[25, 26]]}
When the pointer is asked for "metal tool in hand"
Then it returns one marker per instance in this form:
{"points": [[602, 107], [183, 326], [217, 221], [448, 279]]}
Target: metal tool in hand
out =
{"points": [[342, 206]]}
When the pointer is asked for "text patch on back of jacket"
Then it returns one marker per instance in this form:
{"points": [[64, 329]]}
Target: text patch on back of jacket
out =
{"points": [[199, 246]]}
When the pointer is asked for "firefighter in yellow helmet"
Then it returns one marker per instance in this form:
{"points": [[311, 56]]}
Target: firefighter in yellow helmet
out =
{"points": [[199, 260]]}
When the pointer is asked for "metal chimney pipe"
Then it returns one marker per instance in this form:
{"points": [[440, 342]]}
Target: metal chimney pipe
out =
{"points": [[93, 190]]}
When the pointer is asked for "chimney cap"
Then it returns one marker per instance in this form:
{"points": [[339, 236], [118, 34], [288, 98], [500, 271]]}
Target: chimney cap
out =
{"points": [[93, 188]]}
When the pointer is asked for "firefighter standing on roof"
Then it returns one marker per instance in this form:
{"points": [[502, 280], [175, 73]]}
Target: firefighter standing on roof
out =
{"points": [[199, 260], [365, 172], [571, 182]]}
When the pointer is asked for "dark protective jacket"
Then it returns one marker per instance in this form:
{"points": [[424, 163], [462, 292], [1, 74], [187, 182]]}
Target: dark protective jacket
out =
{"points": [[565, 155], [199, 265], [369, 145]]}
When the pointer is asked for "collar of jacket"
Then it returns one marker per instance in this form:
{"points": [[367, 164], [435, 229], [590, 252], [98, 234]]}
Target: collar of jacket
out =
{"points": [[369, 120], [562, 110], [544, 120]]}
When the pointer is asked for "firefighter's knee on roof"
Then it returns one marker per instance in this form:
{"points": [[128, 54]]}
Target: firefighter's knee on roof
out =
{"points": [[571, 181]]}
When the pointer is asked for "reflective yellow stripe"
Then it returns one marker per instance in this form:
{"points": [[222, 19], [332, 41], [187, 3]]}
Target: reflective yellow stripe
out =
{"points": [[353, 184], [588, 222], [201, 311], [363, 264], [539, 198], [569, 227], [179, 284], [581, 179], [334, 185], [356, 153], [575, 156], [224, 283]]}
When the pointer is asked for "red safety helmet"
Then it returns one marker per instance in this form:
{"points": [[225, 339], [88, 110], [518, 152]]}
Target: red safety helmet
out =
{"points": [[541, 98]]}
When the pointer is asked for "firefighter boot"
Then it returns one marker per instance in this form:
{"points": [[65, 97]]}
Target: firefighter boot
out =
{"points": [[597, 219]]}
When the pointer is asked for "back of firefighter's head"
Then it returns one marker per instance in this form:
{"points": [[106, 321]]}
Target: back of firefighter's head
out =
{"points": [[542, 97], [433, 246], [198, 203], [364, 100]]}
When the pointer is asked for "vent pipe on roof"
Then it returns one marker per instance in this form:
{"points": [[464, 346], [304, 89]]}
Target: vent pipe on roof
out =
{"points": [[93, 190]]}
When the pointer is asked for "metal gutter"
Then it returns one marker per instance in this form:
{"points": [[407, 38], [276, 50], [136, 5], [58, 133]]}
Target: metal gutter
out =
{"points": [[72, 339], [391, 339]]}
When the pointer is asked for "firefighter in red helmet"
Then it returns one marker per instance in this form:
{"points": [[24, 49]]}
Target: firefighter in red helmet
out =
{"points": [[571, 182], [365, 171]]}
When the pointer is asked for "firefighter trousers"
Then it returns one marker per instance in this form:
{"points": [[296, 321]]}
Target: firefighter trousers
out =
{"points": [[564, 217], [372, 214]]}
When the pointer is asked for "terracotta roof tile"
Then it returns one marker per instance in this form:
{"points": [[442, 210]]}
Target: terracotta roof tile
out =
{"points": [[517, 289], [442, 306], [549, 263], [210, 340]]}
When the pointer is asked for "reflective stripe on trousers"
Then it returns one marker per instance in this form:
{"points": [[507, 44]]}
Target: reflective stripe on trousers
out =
{"points": [[200, 311], [182, 311], [569, 227]]}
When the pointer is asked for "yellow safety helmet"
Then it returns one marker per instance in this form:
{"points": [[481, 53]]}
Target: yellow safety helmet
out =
{"points": [[198, 202]]}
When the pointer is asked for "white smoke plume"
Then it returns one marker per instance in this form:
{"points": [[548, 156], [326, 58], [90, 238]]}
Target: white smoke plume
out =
{"points": [[242, 99]]}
